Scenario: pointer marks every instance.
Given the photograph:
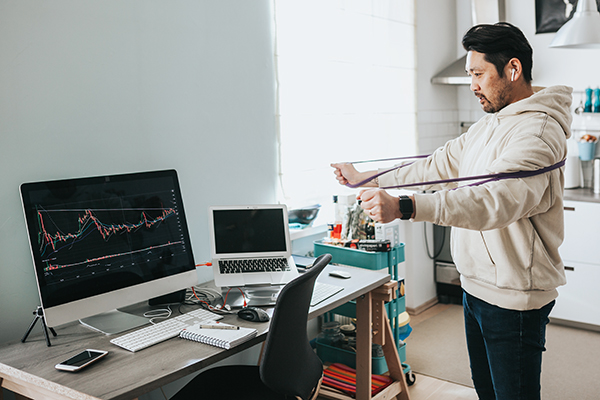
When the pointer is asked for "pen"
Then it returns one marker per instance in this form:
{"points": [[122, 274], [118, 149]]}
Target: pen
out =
{"points": [[219, 327]]}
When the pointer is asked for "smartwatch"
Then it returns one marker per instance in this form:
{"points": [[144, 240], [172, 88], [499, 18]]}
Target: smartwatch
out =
{"points": [[406, 207]]}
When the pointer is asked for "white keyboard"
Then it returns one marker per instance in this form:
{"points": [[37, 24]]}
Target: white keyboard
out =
{"points": [[161, 331], [323, 291]]}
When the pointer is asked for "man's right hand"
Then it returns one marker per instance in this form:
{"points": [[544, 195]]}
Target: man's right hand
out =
{"points": [[346, 173]]}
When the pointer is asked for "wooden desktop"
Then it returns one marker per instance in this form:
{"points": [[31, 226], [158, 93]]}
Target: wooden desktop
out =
{"points": [[28, 368]]}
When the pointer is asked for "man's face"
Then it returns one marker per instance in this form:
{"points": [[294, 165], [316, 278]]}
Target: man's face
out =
{"points": [[492, 91]]}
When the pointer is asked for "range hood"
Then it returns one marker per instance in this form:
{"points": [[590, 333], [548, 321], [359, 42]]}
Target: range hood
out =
{"points": [[453, 74], [482, 12]]}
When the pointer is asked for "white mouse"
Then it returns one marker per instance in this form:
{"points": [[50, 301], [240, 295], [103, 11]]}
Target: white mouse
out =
{"points": [[340, 274]]}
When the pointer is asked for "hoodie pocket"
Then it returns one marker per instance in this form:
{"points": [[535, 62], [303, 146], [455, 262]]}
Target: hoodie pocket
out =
{"points": [[472, 257], [512, 251]]}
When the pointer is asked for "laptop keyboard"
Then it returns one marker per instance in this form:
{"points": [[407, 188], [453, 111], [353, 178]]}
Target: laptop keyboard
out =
{"points": [[254, 265]]}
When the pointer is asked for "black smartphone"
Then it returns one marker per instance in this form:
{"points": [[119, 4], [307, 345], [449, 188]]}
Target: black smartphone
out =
{"points": [[81, 360], [303, 261]]}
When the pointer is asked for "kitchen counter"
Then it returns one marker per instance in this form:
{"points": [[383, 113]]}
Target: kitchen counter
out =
{"points": [[582, 194]]}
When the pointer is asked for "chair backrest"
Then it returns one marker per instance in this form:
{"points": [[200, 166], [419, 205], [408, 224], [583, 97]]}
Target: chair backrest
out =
{"points": [[289, 365]]}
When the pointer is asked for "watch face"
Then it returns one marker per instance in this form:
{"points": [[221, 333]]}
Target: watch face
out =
{"points": [[406, 207]]}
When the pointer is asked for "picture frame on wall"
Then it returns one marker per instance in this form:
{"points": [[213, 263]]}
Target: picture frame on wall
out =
{"points": [[550, 15]]}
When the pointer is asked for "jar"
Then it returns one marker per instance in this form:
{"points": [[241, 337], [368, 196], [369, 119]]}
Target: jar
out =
{"points": [[348, 330], [331, 334]]}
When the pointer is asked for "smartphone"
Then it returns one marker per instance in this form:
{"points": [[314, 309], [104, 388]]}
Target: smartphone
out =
{"points": [[303, 262], [81, 360]]}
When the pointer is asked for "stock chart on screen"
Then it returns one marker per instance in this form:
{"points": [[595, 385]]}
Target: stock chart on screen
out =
{"points": [[112, 231]]}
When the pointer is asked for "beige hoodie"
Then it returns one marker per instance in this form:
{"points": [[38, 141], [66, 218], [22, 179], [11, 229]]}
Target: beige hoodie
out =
{"points": [[506, 234]]}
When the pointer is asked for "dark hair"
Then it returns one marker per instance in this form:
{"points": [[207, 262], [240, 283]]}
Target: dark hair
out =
{"points": [[499, 43]]}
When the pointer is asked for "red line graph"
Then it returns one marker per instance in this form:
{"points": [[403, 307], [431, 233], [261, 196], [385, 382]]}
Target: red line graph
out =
{"points": [[88, 223]]}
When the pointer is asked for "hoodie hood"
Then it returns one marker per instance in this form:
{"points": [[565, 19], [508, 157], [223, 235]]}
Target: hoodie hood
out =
{"points": [[554, 101]]}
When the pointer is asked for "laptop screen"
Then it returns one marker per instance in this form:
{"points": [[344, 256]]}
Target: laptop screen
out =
{"points": [[251, 230]]}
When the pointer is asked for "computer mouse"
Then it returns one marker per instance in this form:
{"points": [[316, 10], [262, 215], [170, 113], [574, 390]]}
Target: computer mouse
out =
{"points": [[253, 314], [340, 274]]}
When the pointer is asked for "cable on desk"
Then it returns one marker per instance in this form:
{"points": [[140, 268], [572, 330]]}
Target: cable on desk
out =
{"points": [[159, 313], [220, 309], [211, 295]]}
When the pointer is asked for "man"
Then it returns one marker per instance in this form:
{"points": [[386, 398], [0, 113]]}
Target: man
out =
{"points": [[506, 233]]}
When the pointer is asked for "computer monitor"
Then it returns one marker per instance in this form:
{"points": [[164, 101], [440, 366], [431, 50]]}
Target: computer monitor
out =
{"points": [[100, 243]]}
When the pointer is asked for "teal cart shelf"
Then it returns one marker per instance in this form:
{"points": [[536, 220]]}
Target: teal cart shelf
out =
{"points": [[374, 261]]}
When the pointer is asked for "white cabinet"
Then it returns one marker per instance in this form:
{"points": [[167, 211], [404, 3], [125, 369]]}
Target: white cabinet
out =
{"points": [[582, 232], [579, 299]]}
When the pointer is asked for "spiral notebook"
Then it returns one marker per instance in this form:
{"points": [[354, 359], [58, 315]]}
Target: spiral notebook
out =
{"points": [[224, 338]]}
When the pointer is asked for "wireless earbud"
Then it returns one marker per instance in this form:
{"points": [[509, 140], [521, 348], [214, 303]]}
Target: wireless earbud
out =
{"points": [[512, 75]]}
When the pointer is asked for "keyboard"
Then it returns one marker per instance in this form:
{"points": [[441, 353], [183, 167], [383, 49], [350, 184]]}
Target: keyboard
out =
{"points": [[161, 331], [253, 265], [323, 291]]}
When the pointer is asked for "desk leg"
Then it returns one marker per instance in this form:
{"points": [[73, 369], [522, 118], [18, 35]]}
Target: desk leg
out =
{"points": [[364, 316], [392, 359], [17, 395]]}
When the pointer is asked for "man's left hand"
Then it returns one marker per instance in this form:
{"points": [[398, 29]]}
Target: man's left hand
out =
{"points": [[379, 205]]}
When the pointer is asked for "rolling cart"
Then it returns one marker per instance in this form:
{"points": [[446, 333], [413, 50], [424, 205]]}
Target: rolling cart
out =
{"points": [[395, 308]]}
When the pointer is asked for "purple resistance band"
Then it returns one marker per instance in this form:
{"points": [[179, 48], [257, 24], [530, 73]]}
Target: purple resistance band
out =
{"points": [[481, 178]]}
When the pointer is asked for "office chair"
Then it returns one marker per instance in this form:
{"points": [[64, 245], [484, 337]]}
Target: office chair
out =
{"points": [[289, 368]]}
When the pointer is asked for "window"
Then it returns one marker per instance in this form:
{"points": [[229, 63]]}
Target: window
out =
{"points": [[346, 75]]}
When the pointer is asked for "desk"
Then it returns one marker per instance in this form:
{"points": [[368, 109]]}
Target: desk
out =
{"points": [[28, 368]]}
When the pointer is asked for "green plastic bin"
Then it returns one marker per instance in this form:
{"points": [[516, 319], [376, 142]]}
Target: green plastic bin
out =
{"points": [[361, 258]]}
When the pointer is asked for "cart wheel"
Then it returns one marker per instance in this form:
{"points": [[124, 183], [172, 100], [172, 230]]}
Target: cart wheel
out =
{"points": [[410, 378]]}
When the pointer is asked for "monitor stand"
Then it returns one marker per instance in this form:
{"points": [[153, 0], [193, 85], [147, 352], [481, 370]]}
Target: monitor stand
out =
{"points": [[112, 322], [258, 296]]}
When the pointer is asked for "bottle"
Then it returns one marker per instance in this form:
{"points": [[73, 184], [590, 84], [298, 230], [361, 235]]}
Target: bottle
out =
{"points": [[336, 231], [588, 100], [346, 204], [597, 100]]}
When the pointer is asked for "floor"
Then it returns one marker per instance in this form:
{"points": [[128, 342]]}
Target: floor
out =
{"points": [[428, 388]]}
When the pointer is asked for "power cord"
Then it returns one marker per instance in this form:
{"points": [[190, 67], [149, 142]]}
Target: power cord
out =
{"points": [[210, 296], [205, 297], [439, 251]]}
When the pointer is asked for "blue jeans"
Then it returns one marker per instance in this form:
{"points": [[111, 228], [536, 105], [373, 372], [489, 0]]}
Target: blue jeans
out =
{"points": [[505, 349]]}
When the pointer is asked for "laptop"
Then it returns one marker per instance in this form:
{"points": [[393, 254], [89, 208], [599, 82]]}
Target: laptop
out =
{"points": [[250, 246]]}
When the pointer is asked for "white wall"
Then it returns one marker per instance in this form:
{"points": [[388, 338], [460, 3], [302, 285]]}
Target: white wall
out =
{"points": [[437, 122], [99, 87]]}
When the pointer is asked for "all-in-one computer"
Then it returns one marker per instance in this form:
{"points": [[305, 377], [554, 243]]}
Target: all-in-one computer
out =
{"points": [[105, 242]]}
